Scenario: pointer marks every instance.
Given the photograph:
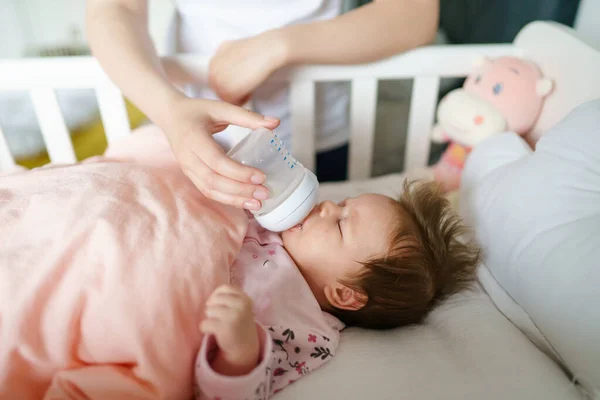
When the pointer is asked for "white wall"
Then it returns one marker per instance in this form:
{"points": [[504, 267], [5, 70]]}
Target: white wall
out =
{"points": [[12, 35], [52, 22], [25, 23]]}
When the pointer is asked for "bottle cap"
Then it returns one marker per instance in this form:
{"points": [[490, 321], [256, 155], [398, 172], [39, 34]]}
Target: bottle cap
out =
{"points": [[295, 208]]}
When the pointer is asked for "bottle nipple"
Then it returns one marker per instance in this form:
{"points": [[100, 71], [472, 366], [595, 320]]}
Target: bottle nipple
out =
{"points": [[296, 228]]}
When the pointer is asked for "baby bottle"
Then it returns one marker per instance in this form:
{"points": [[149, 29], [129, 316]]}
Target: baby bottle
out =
{"points": [[292, 188]]}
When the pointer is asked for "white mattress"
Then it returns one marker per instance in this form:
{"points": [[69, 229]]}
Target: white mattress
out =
{"points": [[466, 349]]}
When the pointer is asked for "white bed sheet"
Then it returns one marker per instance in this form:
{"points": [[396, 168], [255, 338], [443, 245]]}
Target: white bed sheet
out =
{"points": [[466, 349]]}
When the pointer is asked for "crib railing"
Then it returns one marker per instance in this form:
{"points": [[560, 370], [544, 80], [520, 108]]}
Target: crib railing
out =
{"points": [[41, 77]]}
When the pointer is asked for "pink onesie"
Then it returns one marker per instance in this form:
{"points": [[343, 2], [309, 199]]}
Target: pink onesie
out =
{"points": [[297, 337]]}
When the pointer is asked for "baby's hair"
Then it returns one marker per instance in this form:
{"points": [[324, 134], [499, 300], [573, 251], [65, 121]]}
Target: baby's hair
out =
{"points": [[426, 262]]}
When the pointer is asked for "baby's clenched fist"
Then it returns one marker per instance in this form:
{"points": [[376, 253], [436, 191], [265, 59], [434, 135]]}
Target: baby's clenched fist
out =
{"points": [[230, 319]]}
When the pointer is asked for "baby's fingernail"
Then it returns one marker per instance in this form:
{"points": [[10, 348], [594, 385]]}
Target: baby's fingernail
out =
{"points": [[252, 205], [257, 179], [261, 194], [270, 119]]}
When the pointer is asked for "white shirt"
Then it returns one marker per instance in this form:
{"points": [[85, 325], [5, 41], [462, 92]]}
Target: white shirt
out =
{"points": [[202, 25]]}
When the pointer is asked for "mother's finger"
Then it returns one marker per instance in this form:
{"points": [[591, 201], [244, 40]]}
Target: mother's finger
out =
{"points": [[214, 181], [235, 201], [215, 158], [225, 112]]}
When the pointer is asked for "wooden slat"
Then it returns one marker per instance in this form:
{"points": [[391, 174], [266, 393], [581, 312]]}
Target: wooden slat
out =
{"points": [[302, 100], [54, 130], [362, 127], [6, 159], [422, 111], [113, 112]]}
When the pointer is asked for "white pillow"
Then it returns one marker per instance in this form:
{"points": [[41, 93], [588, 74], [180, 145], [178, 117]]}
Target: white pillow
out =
{"points": [[537, 217], [465, 349]]}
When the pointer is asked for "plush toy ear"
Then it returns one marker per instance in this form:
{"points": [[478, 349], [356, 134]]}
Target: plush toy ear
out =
{"points": [[543, 86], [481, 61]]}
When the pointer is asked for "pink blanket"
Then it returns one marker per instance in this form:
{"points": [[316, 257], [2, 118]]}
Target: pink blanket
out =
{"points": [[79, 240]]}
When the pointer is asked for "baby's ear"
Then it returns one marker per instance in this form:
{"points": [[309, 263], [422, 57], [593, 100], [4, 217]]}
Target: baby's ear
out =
{"points": [[344, 298]]}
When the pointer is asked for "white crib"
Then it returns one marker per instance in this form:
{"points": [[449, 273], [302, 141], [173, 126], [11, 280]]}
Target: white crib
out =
{"points": [[390, 364], [426, 66], [41, 77]]}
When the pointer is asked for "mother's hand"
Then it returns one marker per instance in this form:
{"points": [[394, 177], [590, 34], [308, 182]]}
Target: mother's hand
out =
{"points": [[189, 128]]}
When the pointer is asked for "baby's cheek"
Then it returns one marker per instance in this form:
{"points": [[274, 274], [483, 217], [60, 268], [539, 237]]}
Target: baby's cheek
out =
{"points": [[297, 247], [312, 248]]}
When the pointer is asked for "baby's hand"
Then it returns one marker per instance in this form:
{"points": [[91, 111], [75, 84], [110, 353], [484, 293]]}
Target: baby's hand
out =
{"points": [[229, 317]]}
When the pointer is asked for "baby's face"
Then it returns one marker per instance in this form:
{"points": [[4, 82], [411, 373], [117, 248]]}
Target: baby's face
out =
{"points": [[334, 239]]}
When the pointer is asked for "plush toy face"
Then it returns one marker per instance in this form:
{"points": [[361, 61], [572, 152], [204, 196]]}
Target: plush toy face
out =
{"points": [[501, 94], [514, 86]]}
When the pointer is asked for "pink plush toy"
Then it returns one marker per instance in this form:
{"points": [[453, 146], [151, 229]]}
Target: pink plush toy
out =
{"points": [[504, 94]]}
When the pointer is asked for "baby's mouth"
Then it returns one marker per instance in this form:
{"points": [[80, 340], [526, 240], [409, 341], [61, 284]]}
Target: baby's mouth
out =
{"points": [[300, 225]]}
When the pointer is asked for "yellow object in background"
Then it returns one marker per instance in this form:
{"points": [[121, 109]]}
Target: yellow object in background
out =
{"points": [[88, 141]]}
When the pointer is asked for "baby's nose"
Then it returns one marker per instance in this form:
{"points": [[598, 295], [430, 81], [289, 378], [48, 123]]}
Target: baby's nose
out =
{"points": [[327, 208]]}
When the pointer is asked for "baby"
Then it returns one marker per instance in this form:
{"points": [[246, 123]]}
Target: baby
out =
{"points": [[368, 261], [118, 280]]}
